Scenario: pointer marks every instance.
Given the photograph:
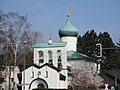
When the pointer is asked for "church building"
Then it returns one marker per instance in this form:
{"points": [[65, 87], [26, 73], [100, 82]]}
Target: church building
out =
{"points": [[49, 68]]}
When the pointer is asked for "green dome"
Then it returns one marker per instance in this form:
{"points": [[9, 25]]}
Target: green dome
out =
{"points": [[68, 30]]}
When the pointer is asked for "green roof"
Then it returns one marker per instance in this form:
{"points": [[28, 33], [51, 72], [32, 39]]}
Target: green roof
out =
{"points": [[47, 45], [72, 55], [68, 29]]}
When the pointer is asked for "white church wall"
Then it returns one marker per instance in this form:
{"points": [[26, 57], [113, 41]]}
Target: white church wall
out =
{"points": [[52, 79], [28, 76], [54, 50], [64, 84], [71, 42]]}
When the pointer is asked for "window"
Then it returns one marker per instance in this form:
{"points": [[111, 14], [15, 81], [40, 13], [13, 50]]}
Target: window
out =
{"points": [[32, 74], [50, 55], [62, 77], [59, 54], [46, 74], [41, 57], [12, 79]]}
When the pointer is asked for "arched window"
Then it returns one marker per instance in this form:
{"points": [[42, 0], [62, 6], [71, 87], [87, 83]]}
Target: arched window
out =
{"points": [[41, 57], [50, 55], [59, 54]]}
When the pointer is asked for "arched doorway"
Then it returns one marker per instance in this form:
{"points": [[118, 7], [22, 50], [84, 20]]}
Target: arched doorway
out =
{"points": [[38, 83], [40, 87]]}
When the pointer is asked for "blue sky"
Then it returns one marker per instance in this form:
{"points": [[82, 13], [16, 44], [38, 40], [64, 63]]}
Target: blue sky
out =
{"points": [[48, 16]]}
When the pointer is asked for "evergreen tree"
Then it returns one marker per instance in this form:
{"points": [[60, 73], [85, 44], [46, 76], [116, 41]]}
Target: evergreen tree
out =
{"points": [[109, 53], [86, 43], [111, 56], [118, 53], [118, 43]]}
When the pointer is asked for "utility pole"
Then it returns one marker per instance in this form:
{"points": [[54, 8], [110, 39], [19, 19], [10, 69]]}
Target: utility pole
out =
{"points": [[98, 52], [10, 77], [25, 43], [24, 71], [109, 49], [15, 58], [115, 79]]}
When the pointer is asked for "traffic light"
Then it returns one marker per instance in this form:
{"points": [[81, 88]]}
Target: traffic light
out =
{"points": [[98, 50]]}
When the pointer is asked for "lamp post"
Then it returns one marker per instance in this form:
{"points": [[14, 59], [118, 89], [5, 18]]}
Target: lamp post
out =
{"points": [[15, 58], [25, 42]]}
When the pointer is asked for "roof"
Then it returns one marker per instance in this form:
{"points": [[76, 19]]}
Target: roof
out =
{"points": [[47, 45], [72, 55], [109, 76], [47, 64], [68, 29]]}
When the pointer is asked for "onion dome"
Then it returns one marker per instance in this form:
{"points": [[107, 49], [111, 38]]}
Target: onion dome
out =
{"points": [[68, 29]]}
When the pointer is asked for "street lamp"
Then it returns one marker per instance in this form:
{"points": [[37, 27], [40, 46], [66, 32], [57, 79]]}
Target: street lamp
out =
{"points": [[25, 43]]}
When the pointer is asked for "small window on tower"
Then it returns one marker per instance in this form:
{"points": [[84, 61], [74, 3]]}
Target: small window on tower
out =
{"points": [[59, 54], [50, 55], [41, 57]]}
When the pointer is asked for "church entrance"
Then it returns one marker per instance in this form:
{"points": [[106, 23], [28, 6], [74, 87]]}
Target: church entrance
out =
{"points": [[38, 84], [40, 87]]}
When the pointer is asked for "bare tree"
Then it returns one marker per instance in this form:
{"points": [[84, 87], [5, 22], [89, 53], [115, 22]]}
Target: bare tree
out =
{"points": [[15, 31]]}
